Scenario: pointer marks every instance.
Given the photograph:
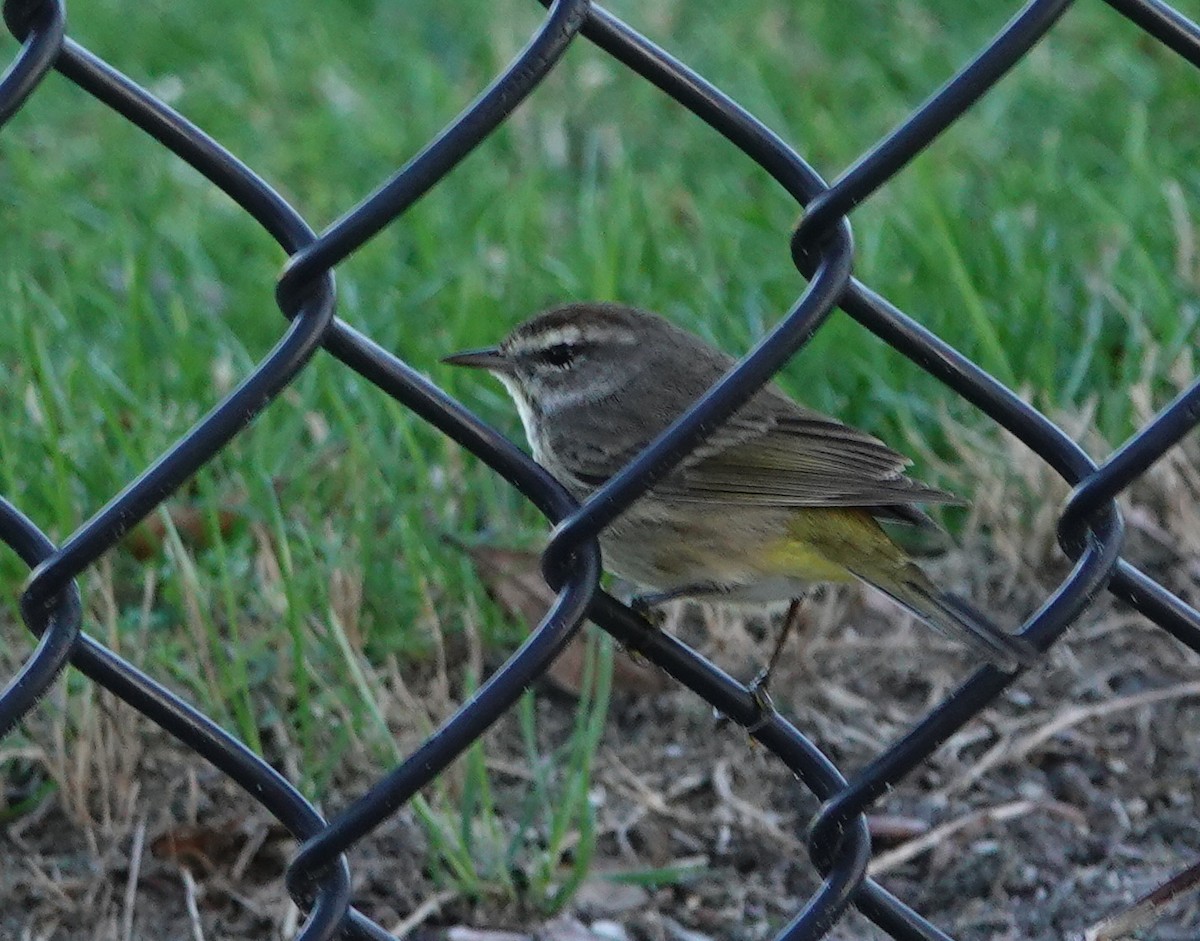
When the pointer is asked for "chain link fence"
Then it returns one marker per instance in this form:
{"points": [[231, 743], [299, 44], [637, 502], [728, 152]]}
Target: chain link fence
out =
{"points": [[1090, 527]]}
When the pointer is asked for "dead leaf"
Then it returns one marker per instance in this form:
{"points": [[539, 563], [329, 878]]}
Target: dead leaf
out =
{"points": [[191, 522], [513, 578], [229, 847], [202, 848]]}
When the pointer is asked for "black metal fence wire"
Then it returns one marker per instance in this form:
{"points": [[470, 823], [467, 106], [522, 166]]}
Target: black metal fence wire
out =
{"points": [[1090, 527]]}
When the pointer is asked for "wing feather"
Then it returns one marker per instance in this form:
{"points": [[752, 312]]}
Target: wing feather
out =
{"points": [[772, 452]]}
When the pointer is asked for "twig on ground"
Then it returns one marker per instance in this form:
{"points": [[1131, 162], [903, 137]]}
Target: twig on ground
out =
{"points": [[884, 862], [648, 801], [256, 836], [723, 786], [423, 912], [131, 883], [1146, 910], [1016, 749], [193, 909], [651, 799]]}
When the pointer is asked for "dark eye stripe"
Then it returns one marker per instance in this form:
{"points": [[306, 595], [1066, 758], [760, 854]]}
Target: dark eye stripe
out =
{"points": [[561, 354]]}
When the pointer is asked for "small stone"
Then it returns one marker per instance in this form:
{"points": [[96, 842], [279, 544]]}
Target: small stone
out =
{"points": [[608, 931], [600, 898]]}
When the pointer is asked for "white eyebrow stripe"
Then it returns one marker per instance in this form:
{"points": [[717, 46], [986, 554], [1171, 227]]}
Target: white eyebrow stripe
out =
{"points": [[569, 335], [556, 336]]}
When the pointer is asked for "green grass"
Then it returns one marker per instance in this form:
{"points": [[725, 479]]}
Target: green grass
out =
{"points": [[1038, 236]]}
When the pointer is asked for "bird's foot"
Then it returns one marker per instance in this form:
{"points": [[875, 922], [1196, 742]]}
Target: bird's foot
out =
{"points": [[645, 607], [636, 657], [762, 701]]}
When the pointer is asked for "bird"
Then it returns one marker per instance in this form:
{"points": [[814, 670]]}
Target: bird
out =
{"points": [[775, 501]]}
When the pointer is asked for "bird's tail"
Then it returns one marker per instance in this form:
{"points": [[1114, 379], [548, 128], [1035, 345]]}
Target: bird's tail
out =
{"points": [[959, 620]]}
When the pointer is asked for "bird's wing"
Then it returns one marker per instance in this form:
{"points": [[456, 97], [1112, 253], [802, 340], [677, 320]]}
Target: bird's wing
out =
{"points": [[772, 452], [799, 459]]}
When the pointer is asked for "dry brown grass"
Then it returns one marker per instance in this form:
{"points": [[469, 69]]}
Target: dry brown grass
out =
{"points": [[1069, 798]]}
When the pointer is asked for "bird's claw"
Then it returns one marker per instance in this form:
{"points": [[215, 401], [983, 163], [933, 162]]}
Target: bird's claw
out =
{"points": [[635, 655], [644, 608], [762, 701]]}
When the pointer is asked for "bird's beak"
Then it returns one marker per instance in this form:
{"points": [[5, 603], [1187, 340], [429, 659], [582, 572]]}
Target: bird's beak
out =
{"points": [[489, 358]]}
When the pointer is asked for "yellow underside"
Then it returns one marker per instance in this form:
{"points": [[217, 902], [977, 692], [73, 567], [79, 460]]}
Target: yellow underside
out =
{"points": [[823, 544]]}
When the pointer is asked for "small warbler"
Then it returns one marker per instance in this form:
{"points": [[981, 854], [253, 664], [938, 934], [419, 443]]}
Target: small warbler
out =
{"points": [[777, 499]]}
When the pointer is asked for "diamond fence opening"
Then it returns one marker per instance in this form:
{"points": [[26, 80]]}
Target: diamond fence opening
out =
{"points": [[1090, 528]]}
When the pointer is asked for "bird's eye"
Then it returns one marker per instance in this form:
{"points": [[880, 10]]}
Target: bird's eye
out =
{"points": [[560, 355]]}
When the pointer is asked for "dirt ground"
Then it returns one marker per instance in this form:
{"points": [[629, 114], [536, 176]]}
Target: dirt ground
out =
{"points": [[1072, 796]]}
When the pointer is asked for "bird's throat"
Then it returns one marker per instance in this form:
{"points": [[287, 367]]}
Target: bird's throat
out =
{"points": [[529, 414]]}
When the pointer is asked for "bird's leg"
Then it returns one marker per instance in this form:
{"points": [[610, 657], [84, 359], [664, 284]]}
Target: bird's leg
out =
{"points": [[758, 686], [644, 603]]}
